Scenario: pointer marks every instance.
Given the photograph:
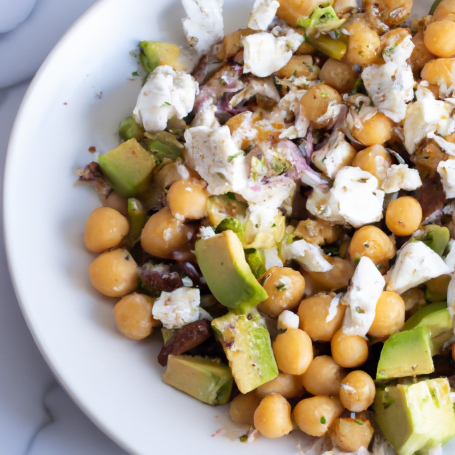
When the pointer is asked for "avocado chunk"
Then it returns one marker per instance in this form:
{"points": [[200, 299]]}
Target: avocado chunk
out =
{"points": [[207, 380], [436, 316], [246, 342], [164, 145], [220, 207], [435, 237], [128, 168], [228, 275], [137, 217], [231, 224], [436, 288], [417, 417], [255, 261], [158, 53], [129, 129], [406, 354]]}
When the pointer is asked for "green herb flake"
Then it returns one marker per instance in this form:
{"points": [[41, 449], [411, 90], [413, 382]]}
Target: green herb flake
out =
{"points": [[241, 153], [166, 103], [359, 107], [231, 196], [281, 287], [135, 74], [358, 422], [273, 225], [360, 52], [379, 266], [325, 95], [323, 420], [294, 73], [244, 438], [357, 260], [397, 156], [389, 50]]}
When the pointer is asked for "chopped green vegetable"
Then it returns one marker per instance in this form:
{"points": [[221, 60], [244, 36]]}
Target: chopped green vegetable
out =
{"points": [[241, 153], [279, 165], [359, 87], [323, 420], [281, 287], [334, 48], [434, 6], [164, 145], [255, 261], [135, 74], [129, 129], [231, 224], [231, 196], [137, 217], [389, 50], [244, 438], [319, 17], [397, 156]]}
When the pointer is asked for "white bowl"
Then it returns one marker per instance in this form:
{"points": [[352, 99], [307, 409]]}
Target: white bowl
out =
{"points": [[77, 99]]}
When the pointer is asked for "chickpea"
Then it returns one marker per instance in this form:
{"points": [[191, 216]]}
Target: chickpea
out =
{"points": [[336, 278], [392, 12], [313, 312], [349, 351], [293, 351], [440, 38], [389, 317], [344, 6], [339, 74], [349, 435], [104, 229], [272, 418], [445, 11], [439, 72], [376, 130], [364, 44], [187, 199], [403, 215], [292, 10], [305, 49], [375, 160], [357, 391], [394, 36], [373, 243], [302, 65], [318, 232], [114, 273], [414, 299], [287, 385], [285, 289], [162, 235], [420, 54], [243, 408], [315, 415], [133, 315], [315, 103], [115, 201], [323, 376]]}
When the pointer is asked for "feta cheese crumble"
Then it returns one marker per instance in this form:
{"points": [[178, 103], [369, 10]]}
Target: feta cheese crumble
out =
{"points": [[333, 308], [264, 227], [446, 170], [400, 177], [309, 256], [361, 298], [288, 320], [204, 26], [263, 13], [265, 54], [450, 258], [390, 86], [416, 263], [271, 258], [165, 95], [206, 233], [214, 155], [177, 308]]}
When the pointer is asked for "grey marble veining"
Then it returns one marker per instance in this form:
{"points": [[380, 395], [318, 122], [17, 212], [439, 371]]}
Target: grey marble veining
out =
{"points": [[36, 415]]}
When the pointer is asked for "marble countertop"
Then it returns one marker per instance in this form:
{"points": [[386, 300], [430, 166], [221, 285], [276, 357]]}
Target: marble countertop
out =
{"points": [[36, 415]]}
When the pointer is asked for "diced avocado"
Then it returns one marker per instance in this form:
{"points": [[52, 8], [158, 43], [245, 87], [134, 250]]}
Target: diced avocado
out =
{"points": [[207, 380], [167, 334], [406, 354], [158, 53], [128, 168], [220, 207], [436, 288], [246, 342], [417, 417], [137, 217], [231, 224], [129, 129], [256, 262], [228, 275], [435, 237], [437, 317], [164, 145]]}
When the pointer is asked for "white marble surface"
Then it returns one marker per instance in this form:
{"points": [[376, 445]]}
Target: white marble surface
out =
{"points": [[36, 415]]}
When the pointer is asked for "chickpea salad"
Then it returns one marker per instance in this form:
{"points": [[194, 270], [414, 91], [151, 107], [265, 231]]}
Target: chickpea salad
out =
{"points": [[281, 211]]}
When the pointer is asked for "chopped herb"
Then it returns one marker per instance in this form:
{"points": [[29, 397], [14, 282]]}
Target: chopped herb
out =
{"points": [[325, 95], [281, 287], [279, 165], [359, 107], [359, 87], [379, 266], [256, 226], [244, 438], [294, 73], [323, 420], [273, 225], [359, 310], [167, 104], [357, 260], [290, 239], [389, 50], [319, 17], [135, 74], [249, 148], [366, 245], [414, 33], [241, 153], [231, 196], [397, 156], [331, 250], [176, 131], [360, 52], [358, 422]]}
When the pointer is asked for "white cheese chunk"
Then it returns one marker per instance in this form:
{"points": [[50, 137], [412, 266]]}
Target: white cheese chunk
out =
{"points": [[272, 193], [206, 232], [206, 117], [214, 155], [450, 258], [446, 170], [400, 177], [309, 256], [448, 147], [271, 258], [333, 308], [204, 25], [416, 263], [245, 130], [265, 54], [451, 298], [324, 206], [358, 197], [361, 298], [426, 115], [263, 13], [264, 226], [390, 86], [177, 308], [165, 95], [288, 320]]}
